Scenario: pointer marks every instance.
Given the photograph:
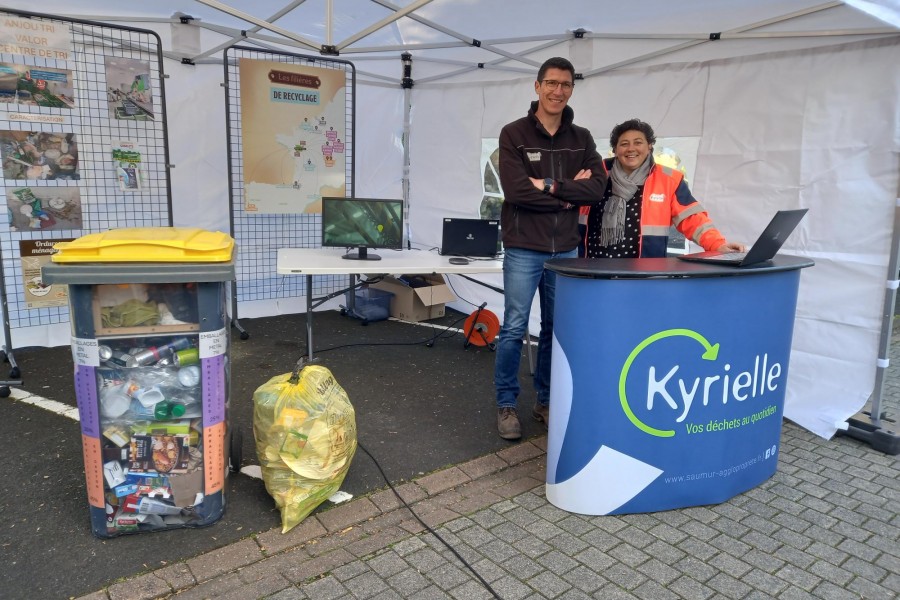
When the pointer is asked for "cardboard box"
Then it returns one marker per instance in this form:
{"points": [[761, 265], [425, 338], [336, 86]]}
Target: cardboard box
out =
{"points": [[416, 297]]}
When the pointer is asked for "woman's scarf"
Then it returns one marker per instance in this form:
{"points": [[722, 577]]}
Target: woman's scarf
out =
{"points": [[612, 229]]}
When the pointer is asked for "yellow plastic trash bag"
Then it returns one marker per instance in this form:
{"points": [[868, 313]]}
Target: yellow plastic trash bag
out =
{"points": [[305, 430]]}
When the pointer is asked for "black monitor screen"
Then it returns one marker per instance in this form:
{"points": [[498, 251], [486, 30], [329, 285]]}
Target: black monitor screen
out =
{"points": [[362, 223]]}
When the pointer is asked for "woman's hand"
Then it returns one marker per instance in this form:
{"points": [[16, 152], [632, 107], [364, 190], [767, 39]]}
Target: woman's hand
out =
{"points": [[732, 247]]}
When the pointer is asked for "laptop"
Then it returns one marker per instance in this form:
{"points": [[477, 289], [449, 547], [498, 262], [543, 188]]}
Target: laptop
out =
{"points": [[470, 237], [768, 244]]}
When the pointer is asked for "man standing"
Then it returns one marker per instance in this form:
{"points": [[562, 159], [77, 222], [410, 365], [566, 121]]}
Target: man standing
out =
{"points": [[541, 155]]}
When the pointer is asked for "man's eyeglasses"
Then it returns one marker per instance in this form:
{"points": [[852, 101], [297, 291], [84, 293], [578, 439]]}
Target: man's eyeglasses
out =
{"points": [[552, 84]]}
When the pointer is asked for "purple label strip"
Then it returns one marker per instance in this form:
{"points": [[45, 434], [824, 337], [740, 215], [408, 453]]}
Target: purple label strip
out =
{"points": [[86, 395], [213, 374]]}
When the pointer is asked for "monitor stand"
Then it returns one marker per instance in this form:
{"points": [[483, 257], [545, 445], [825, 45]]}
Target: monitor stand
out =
{"points": [[362, 253]]}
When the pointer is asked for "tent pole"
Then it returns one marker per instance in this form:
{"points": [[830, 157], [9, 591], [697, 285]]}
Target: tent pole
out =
{"points": [[329, 23], [276, 44], [264, 24], [872, 426], [407, 84], [237, 38], [736, 30], [469, 41], [376, 26]]}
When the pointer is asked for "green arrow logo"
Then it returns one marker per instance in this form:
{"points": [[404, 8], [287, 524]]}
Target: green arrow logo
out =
{"points": [[711, 352]]}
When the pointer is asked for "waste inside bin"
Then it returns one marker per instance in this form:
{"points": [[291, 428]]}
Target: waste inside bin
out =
{"points": [[150, 342]]}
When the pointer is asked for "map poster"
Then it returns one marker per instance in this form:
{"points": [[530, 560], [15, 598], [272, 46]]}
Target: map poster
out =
{"points": [[293, 132], [35, 254]]}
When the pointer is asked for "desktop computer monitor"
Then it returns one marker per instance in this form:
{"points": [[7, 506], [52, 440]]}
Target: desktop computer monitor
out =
{"points": [[362, 223]]}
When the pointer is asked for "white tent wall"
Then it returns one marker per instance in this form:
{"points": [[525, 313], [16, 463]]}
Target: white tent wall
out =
{"points": [[198, 145], [816, 128], [823, 135]]}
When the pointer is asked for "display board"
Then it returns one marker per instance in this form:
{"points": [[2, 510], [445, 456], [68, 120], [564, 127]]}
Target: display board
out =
{"points": [[290, 124], [83, 145]]}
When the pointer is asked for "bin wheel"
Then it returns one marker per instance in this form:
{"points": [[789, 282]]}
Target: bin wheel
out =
{"points": [[236, 450], [4, 391], [15, 373], [343, 312], [245, 335]]}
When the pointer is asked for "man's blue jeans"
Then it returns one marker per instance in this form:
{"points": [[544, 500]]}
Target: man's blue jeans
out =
{"points": [[523, 273]]}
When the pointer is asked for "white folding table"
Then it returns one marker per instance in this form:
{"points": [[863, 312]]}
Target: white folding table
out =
{"points": [[329, 261]]}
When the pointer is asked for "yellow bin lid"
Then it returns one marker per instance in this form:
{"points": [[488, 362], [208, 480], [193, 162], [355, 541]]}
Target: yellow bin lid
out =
{"points": [[147, 244]]}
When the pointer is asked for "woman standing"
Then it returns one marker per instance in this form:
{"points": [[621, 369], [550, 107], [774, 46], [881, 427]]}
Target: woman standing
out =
{"points": [[642, 200]]}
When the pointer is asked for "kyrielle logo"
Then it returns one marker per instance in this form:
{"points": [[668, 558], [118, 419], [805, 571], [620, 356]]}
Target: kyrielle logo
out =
{"points": [[685, 385]]}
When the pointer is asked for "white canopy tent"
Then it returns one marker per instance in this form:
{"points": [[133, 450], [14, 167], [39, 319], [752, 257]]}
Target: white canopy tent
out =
{"points": [[794, 103]]}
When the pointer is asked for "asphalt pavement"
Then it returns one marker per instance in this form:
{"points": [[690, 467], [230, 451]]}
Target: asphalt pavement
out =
{"points": [[419, 408]]}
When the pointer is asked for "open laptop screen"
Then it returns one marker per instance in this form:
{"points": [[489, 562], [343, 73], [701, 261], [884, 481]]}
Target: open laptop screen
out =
{"points": [[470, 237]]}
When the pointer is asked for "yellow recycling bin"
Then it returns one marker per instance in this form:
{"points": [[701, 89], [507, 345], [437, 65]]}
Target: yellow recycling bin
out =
{"points": [[150, 343]]}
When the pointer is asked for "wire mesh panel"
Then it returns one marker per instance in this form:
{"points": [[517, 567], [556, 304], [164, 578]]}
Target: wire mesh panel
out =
{"points": [[83, 142], [284, 211]]}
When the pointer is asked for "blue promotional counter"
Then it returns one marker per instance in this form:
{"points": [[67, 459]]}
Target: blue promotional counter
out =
{"points": [[668, 381]]}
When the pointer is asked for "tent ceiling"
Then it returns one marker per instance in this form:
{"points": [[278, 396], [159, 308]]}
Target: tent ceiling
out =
{"points": [[449, 39]]}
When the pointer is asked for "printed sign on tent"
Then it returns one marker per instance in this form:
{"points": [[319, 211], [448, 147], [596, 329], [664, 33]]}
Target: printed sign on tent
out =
{"points": [[127, 155], [38, 86], [128, 89], [43, 208], [39, 155], [37, 39], [293, 131], [34, 255]]}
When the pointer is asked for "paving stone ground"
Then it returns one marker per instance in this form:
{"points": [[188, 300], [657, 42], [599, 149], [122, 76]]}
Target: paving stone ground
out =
{"points": [[825, 526]]}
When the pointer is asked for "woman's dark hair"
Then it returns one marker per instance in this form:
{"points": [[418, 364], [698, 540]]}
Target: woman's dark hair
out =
{"points": [[557, 62], [631, 125]]}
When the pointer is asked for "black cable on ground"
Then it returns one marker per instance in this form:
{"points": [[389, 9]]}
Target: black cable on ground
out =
{"points": [[483, 581], [447, 332], [453, 289]]}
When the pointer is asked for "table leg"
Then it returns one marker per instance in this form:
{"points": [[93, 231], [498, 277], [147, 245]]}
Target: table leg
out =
{"points": [[309, 318]]}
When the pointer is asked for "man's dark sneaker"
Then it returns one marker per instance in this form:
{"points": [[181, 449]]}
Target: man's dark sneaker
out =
{"points": [[508, 423], [541, 412]]}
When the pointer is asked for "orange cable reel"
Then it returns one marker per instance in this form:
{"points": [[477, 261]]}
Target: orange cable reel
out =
{"points": [[481, 328]]}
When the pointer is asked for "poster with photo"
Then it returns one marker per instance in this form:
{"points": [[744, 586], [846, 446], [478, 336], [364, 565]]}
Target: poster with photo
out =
{"points": [[36, 86], [43, 208], [127, 156], [129, 92], [34, 255], [293, 135], [39, 155]]}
